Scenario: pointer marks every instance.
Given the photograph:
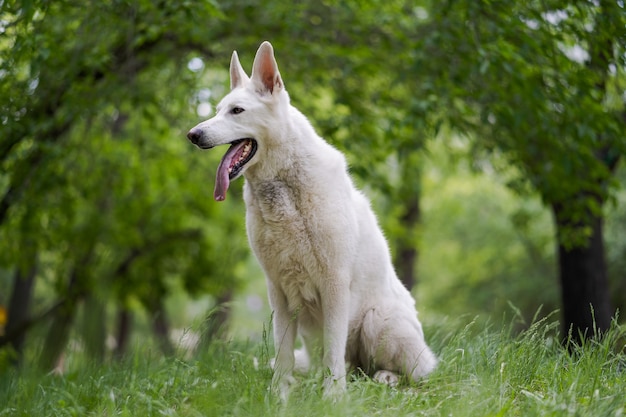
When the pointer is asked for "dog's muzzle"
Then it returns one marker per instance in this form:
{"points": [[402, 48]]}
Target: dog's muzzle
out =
{"points": [[195, 135]]}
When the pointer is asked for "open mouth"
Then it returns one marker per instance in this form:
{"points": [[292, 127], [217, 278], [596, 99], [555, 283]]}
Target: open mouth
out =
{"points": [[238, 155]]}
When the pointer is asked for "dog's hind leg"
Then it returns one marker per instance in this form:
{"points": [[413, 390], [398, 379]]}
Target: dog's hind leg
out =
{"points": [[395, 344], [412, 356]]}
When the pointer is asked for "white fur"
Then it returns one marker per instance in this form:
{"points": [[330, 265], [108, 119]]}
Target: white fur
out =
{"points": [[329, 273]]}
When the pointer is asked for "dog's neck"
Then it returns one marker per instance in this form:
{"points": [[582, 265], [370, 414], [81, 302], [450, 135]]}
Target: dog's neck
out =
{"points": [[294, 138]]}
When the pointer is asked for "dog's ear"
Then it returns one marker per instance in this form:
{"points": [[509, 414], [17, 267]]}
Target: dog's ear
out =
{"points": [[237, 75], [265, 73]]}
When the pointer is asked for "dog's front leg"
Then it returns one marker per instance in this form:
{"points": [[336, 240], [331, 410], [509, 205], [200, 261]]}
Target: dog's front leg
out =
{"points": [[285, 328], [336, 307]]}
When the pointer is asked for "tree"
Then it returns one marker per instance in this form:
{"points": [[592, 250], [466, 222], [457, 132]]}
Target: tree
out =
{"points": [[538, 83], [90, 190]]}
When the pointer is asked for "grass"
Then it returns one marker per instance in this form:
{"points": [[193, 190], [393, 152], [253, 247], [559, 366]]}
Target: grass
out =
{"points": [[484, 371]]}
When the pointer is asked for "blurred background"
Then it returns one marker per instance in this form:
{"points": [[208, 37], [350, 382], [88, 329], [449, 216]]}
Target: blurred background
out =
{"points": [[488, 135]]}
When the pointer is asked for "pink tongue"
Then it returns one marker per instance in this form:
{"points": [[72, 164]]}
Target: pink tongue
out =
{"points": [[222, 180]]}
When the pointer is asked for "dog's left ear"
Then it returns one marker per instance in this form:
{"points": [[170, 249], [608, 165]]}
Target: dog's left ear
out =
{"points": [[265, 73], [237, 75]]}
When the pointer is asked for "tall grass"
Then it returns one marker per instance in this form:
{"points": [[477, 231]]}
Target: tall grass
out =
{"points": [[484, 371]]}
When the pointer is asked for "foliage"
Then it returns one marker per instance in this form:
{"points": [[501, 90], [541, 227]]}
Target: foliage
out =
{"points": [[616, 245], [100, 190], [481, 245], [483, 372], [94, 154], [538, 82]]}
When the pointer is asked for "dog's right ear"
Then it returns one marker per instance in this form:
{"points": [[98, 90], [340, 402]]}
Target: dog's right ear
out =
{"points": [[237, 75], [265, 74]]}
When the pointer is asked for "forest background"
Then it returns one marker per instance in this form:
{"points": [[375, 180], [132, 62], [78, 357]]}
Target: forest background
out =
{"points": [[488, 135]]}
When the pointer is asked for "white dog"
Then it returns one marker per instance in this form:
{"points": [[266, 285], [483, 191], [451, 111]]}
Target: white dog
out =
{"points": [[329, 273]]}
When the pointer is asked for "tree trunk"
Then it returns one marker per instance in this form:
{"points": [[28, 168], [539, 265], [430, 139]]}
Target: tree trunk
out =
{"points": [[19, 310], [59, 331], [216, 320], [585, 294], [124, 322], [161, 329], [57, 336], [94, 328], [408, 195], [406, 257]]}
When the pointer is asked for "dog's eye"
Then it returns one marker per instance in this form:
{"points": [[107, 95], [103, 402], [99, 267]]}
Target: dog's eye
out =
{"points": [[236, 110]]}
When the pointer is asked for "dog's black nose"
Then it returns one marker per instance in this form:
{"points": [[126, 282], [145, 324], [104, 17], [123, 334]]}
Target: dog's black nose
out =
{"points": [[194, 136]]}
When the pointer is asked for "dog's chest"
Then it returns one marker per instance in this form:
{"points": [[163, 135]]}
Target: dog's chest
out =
{"points": [[285, 242]]}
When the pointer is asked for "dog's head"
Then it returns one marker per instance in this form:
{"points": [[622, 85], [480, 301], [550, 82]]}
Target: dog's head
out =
{"points": [[243, 118]]}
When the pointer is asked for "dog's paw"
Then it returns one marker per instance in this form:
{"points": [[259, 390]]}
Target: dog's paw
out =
{"points": [[386, 377], [334, 388], [281, 386]]}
